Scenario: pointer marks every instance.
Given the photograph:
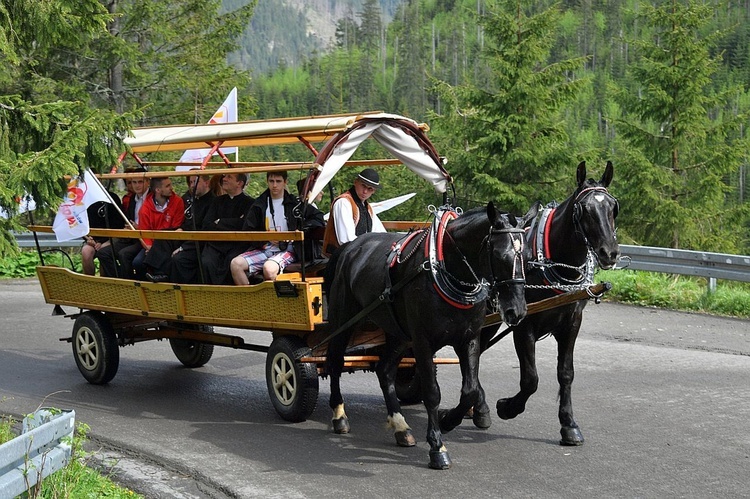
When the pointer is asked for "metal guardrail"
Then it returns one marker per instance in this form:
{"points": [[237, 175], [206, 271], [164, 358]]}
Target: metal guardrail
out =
{"points": [[649, 258], [696, 263], [46, 240], [42, 449]]}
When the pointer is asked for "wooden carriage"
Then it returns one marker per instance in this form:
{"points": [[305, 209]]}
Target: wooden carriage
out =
{"points": [[115, 312]]}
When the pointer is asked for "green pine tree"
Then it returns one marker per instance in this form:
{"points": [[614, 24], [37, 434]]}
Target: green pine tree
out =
{"points": [[679, 140], [505, 137]]}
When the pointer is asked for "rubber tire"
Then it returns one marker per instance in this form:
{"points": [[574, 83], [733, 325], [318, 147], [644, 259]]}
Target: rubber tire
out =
{"points": [[191, 353], [95, 348], [408, 386], [295, 399]]}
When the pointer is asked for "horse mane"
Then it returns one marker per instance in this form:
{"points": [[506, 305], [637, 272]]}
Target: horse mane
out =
{"points": [[469, 221]]}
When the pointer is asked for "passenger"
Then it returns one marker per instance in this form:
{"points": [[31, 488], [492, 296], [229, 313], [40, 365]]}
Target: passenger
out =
{"points": [[313, 232], [177, 261], [274, 210], [129, 192], [351, 214], [226, 213], [161, 210], [102, 215], [216, 187], [127, 248]]}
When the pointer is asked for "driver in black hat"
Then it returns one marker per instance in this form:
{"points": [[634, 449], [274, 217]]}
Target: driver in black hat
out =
{"points": [[351, 214]]}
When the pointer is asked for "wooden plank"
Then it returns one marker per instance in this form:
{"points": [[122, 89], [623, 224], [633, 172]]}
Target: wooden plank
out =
{"points": [[193, 235], [360, 360]]}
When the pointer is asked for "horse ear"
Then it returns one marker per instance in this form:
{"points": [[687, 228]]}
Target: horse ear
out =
{"points": [[581, 173], [608, 173], [531, 214], [491, 212]]}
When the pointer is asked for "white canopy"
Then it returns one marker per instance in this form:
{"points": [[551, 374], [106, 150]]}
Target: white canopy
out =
{"points": [[248, 133], [402, 137]]}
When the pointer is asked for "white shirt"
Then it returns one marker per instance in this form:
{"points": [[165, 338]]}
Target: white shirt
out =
{"points": [[138, 203], [343, 218], [277, 220]]}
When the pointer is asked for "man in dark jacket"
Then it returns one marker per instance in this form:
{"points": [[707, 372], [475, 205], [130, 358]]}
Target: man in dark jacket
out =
{"points": [[177, 261], [125, 249], [102, 215], [226, 213], [274, 210]]}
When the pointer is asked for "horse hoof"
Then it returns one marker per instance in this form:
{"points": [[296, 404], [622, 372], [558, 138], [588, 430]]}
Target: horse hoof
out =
{"points": [[503, 409], [571, 436], [482, 420], [443, 423], [341, 425], [405, 438], [469, 414], [440, 460]]}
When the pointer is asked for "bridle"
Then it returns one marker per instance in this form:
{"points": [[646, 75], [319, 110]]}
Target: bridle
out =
{"points": [[518, 274], [549, 268], [578, 214]]}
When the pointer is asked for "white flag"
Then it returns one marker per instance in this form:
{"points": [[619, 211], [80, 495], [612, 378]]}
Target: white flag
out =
{"points": [[23, 204], [72, 221], [381, 206], [227, 113]]}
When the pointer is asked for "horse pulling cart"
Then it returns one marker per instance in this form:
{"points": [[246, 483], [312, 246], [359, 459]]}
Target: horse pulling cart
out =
{"points": [[114, 312]]}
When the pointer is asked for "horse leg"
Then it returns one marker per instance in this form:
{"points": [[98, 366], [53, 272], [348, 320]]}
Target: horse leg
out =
{"points": [[468, 356], [386, 371], [569, 430], [335, 360], [439, 458], [525, 344]]}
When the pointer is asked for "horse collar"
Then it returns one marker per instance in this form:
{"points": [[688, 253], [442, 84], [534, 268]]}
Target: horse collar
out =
{"points": [[541, 241], [457, 293]]}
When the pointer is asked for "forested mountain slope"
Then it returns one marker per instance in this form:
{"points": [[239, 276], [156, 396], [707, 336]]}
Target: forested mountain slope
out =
{"points": [[287, 32]]}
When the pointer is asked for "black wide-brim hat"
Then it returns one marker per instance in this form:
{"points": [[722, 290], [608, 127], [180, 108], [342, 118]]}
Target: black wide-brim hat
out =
{"points": [[370, 177]]}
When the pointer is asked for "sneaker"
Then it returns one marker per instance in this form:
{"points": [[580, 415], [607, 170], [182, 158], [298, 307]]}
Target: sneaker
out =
{"points": [[157, 277], [255, 279]]}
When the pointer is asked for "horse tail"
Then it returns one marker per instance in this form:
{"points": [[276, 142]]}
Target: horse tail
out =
{"points": [[330, 271]]}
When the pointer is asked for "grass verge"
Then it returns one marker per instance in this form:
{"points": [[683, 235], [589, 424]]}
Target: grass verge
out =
{"points": [[677, 292], [75, 480]]}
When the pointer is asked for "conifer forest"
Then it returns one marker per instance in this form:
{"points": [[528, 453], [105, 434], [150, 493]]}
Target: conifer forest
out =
{"points": [[516, 93]]}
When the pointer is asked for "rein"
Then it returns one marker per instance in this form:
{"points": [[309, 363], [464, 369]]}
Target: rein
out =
{"points": [[456, 292], [460, 294]]}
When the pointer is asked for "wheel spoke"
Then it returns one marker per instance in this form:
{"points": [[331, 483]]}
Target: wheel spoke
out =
{"points": [[283, 379], [86, 348]]}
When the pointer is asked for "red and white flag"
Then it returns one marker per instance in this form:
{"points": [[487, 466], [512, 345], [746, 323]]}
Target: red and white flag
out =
{"points": [[72, 221], [227, 113]]}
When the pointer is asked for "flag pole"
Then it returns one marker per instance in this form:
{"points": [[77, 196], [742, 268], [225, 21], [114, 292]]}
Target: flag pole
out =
{"points": [[124, 217], [111, 201]]}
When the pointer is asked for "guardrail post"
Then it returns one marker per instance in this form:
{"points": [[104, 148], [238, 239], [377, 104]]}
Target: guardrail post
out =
{"points": [[42, 448], [711, 285]]}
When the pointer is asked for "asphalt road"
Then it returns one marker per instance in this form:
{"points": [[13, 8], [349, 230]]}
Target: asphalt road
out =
{"points": [[663, 400]]}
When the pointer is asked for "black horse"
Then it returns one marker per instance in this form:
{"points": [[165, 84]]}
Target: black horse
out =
{"points": [[428, 291], [568, 241]]}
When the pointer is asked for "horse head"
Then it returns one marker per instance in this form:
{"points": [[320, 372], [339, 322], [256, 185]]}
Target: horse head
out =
{"points": [[594, 214], [508, 254]]}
